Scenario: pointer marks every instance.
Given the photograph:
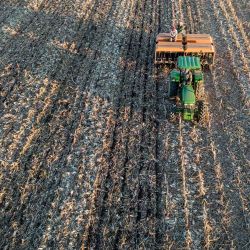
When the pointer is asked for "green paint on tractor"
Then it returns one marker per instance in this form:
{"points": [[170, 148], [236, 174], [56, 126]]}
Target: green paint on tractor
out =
{"points": [[175, 75], [189, 62], [186, 84], [187, 95], [198, 76], [188, 115]]}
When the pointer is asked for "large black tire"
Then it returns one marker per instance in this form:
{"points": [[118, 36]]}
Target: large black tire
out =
{"points": [[172, 88], [202, 113], [200, 91]]}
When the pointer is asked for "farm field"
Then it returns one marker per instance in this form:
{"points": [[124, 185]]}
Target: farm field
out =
{"points": [[88, 158]]}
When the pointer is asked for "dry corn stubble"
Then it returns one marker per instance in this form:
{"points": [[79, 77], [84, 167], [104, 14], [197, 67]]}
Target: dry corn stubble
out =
{"points": [[85, 143]]}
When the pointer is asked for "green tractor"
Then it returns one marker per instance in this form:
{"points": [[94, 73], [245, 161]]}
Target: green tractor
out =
{"points": [[186, 87]]}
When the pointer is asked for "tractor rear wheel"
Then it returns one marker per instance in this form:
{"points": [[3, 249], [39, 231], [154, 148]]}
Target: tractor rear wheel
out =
{"points": [[200, 91], [172, 88], [202, 112]]}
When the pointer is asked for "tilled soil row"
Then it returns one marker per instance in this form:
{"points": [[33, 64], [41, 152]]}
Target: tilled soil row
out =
{"points": [[113, 181], [20, 177], [173, 214], [215, 170], [49, 70], [96, 74], [20, 72], [89, 158], [8, 8], [47, 152], [38, 116], [233, 131], [242, 12]]}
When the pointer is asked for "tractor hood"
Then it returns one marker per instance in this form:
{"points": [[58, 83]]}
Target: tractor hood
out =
{"points": [[188, 95]]}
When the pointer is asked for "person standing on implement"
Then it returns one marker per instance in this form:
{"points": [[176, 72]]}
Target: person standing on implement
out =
{"points": [[173, 34]]}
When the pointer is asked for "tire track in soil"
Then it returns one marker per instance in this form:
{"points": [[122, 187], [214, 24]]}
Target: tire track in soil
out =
{"points": [[158, 167], [144, 210], [187, 185], [129, 104], [121, 235], [174, 223], [154, 119], [199, 228], [128, 54]]}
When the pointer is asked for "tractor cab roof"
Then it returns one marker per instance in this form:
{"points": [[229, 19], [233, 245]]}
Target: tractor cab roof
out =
{"points": [[189, 62]]}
